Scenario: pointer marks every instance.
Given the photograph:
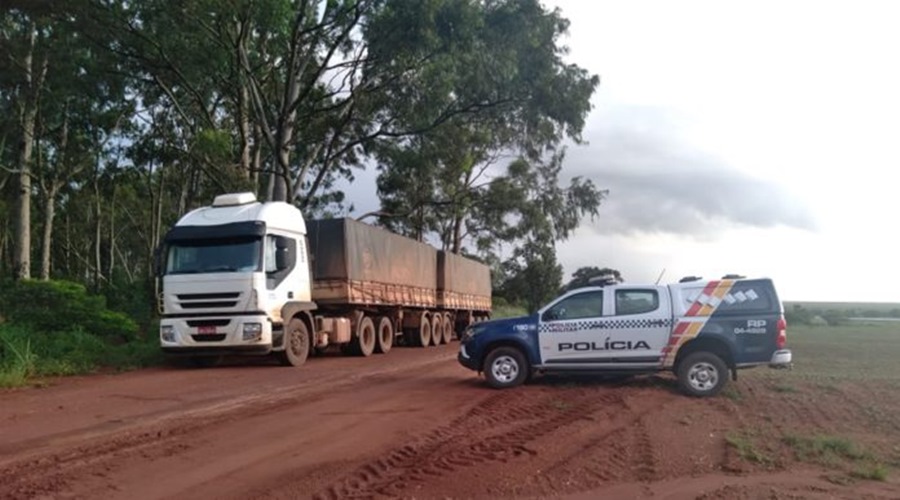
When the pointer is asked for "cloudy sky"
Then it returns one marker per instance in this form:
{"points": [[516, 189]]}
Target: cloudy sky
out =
{"points": [[757, 138]]}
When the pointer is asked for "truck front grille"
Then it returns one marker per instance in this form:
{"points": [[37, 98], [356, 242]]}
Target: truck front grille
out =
{"points": [[208, 337], [225, 300]]}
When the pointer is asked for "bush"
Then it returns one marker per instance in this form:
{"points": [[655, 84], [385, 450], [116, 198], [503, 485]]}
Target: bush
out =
{"points": [[62, 306], [25, 354]]}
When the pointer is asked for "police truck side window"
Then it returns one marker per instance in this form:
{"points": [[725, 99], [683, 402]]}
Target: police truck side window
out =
{"points": [[636, 301], [582, 305]]}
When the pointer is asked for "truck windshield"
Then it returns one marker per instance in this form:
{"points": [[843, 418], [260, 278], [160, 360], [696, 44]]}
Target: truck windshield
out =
{"points": [[214, 256]]}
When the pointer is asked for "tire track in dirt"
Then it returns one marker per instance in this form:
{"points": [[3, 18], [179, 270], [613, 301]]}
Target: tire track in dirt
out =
{"points": [[617, 443], [498, 430], [47, 472], [623, 449]]}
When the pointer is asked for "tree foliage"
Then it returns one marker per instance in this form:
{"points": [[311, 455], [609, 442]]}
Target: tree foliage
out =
{"points": [[582, 276], [117, 117]]}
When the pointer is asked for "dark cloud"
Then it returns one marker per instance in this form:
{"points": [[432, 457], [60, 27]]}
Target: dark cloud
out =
{"points": [[658, 184]]}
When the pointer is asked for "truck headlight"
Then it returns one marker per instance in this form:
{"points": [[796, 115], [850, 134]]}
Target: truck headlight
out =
{"points": [[167, 333], [252, 331]]}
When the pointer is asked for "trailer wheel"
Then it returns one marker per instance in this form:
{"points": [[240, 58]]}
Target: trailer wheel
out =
{"points": [[385, 335], [296, 343], [437, 329], [424, 333], [448, 329], [364, 341]]}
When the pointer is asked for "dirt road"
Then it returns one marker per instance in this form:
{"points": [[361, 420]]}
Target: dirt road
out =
{"points": [[412, 425]]}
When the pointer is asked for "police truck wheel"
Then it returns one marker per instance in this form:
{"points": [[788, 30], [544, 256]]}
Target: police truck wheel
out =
{"points": [[448, 329], [424, 333], [296, 343], [702, 374], [385, 335], [505, 367], [364, 343], [437, 329]]}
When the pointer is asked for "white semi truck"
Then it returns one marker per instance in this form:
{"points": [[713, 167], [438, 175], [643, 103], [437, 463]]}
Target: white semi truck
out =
{"points": [[244, 277]]}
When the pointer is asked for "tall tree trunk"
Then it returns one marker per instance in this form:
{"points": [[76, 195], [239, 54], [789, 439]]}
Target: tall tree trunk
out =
{"points": [[47, 238], [98, 230], [29, 95], [53, 187], [244, 119], [112, 234]]}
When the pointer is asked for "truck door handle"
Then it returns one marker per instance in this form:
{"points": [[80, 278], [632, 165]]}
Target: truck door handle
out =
{"points": [[290, 295]]}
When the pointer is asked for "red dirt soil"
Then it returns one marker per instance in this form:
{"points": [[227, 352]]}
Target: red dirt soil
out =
{"points": [[416, 425]]}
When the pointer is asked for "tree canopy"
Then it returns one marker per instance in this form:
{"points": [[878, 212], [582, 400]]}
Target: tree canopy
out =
{"points": [[117, 117]]}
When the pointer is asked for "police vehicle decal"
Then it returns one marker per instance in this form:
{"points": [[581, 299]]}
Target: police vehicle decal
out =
{"points": [[577, 326], [704, 305]]}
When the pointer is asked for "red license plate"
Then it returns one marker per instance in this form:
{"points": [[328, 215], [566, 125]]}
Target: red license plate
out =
{"points": [[206, 330]]}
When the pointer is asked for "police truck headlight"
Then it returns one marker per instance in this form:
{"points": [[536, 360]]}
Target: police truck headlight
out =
{"points": [[252, 331], [167, 333]]}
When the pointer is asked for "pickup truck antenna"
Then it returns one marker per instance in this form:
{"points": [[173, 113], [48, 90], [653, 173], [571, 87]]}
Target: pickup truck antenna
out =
{"points": [[660, 275]]}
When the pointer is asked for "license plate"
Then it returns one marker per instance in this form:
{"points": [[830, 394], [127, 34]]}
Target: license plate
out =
{"points": [[206, 330]]}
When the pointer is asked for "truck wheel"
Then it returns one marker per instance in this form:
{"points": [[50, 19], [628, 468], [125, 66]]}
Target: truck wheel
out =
{"points": [[437, 329], [296, 343], [448, 329], [385, 335], [424, 333], [505, 367], [702, 374], [364, 342]]}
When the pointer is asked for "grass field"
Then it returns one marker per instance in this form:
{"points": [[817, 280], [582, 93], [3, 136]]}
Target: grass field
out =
{"points": [[851, 352]]}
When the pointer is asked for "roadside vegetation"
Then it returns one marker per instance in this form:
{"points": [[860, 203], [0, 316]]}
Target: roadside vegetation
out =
{"points": [[52, 328]]}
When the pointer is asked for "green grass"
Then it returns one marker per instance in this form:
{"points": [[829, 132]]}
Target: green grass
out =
{"points": [[500, 311], [825, 449], [851, 352], [847, 307], [25, 354], [784, 388], [745, 447], [875, 472]]}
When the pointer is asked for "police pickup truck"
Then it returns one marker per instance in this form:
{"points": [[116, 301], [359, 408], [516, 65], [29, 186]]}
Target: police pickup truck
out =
{"points": [[700, 330]]}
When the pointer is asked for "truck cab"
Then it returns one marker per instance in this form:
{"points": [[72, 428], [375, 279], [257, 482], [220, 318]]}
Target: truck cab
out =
{"points": [[228, 270]]}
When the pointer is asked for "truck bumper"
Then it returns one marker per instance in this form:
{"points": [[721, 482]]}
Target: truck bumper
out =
{"points": [[781, 359], [466, 360], [243, 350], [210, 336]]}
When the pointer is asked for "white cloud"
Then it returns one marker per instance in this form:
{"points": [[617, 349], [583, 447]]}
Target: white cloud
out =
{"points": [[784, 113]]}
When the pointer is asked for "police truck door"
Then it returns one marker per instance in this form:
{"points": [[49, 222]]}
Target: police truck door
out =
{"points": [[568, 328]]}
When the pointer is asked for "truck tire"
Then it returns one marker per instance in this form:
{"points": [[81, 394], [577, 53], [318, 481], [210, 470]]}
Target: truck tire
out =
{"points": [[364, 341], [702, 374], [505, 367], [437, 329], [448, 329], [385, 335], [424, 339], [296, 343]]}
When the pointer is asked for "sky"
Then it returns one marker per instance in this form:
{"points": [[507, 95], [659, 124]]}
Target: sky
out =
{"points": [[756, 138]]}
